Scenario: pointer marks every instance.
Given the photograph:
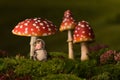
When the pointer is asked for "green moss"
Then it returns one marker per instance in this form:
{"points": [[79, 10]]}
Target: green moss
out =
{"points": [[57, 68], [62, 77]]}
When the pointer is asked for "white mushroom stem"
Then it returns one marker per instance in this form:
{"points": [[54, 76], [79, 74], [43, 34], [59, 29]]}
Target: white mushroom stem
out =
{"points": [[84, 51], [70, 45], [33, 39]]}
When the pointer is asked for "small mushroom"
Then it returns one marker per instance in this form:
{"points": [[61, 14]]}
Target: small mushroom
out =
{"points": [[68, 24], [34, 28], [83, 33]]}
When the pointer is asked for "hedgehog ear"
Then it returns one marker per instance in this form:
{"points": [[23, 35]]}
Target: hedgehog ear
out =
{"points": [[42, 42]]}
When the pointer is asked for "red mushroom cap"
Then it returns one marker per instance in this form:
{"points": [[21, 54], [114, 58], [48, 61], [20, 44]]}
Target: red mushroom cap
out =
{"points": [[68, 21], [83, 32], [34, 27]]}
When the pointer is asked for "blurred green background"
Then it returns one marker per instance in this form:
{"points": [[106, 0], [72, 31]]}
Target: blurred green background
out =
{"points": [[103, 16]]}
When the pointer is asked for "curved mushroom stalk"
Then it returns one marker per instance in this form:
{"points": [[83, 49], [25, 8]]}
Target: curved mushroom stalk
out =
{"points": [[33, 39], [70, 45], [84, 51], [69, 24]]}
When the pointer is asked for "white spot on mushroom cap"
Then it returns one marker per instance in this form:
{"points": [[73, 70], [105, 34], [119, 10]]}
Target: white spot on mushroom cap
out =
{"points": [[45, 22], [33, 33], [67, 12], [16, 26], [47, 25], [81, 36], [72, 22], [83, 21], [75, 38], [43, 27], [51, 24], [21, 26], [49, 29], [89, 28], [79, 24], [49, 33], [83, 31], [65, 23], [78, 28], [71, 18], [35, 19], [77, 35], [87, 25], [82, 25], [38, 20], [76, 31], [89, 34], [14, 31], [26, 24], [19, 33], [37, 27], [45, 34], [64, 20], [41, 24], [28, 21], [67, 15], [32, 29], [26, 31], [34, 24]]}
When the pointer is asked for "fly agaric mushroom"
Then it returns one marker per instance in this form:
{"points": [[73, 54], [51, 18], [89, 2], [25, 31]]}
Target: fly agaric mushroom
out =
{"points": [[34, 28], [68, 23], [83, 33]]}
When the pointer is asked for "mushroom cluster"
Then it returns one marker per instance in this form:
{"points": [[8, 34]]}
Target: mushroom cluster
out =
{"points": [[34, 28], [82, 33]]}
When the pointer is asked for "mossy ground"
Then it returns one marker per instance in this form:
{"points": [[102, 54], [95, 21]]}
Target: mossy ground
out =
{"points": [[59, 67]]}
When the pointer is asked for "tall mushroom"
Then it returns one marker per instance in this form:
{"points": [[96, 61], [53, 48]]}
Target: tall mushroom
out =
{"points": [[34, 27], [83, 33], [68, 23]]}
